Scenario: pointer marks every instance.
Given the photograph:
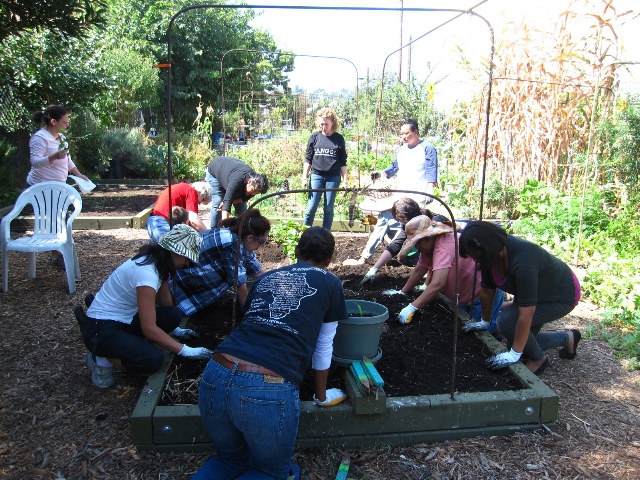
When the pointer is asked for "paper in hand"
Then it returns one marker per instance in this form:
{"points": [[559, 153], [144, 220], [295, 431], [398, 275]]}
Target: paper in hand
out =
{"points": [[85, 185]]}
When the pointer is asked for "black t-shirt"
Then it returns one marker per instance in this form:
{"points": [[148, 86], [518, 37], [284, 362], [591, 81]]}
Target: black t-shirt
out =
{"points": [[326, 154], [232, 174], [283, 314], [534, 276]]}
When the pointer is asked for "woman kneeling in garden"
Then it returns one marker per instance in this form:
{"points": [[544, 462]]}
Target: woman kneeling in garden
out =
{"points": [[199, 286], [248, 396], [544, 289], [133, 309]]}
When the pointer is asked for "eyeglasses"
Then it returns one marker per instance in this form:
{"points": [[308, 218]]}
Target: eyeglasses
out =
{"points": [[261, 241]]}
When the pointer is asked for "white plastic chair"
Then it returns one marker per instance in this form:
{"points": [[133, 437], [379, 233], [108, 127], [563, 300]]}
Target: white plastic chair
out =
{"points": [[51, 230]]}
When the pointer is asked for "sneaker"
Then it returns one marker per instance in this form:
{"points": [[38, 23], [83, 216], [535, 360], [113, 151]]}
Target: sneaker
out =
{"points": [[102, 377]]}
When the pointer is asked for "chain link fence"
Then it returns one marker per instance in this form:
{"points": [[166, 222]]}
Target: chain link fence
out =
{"points": [[15, 122]]}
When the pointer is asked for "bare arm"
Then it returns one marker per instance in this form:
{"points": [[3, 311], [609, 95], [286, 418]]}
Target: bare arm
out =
{"points": [[523, 327], [486, 301], [242, 294], [384, 258], [76, 172], [416, 277], [150, 329], [163, 297], [195, 222], [305, 173], [343, 174], [320, 383], [435, 286]]}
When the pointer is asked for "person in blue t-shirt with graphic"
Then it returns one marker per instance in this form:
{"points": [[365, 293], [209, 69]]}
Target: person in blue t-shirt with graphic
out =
{"points": [[326, 158], [248, 396]]}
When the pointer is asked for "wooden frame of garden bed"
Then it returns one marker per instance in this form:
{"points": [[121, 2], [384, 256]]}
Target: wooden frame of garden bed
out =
{"points": [[406, 421]]}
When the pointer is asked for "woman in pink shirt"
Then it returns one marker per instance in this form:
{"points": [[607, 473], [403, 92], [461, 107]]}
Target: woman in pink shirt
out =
{"points": [[48, 149], [49, 155], [436, 244]]}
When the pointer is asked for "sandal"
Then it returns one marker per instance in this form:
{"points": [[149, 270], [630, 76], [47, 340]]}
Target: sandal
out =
{"points": [[563, 353]]}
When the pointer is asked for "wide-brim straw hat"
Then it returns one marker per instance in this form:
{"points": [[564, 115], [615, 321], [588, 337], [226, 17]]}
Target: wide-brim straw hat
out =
{"points": [[421, 227], [182, 240]]}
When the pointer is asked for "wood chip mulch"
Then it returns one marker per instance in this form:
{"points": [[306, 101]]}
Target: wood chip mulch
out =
{"points": [[55, 424]]}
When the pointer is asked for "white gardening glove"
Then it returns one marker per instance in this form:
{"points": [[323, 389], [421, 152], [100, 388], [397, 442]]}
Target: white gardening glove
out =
{"points": [[420, 288], [195, 353], [334, 397], [502, 360], [184, 333], [393, 292], [371, 274], [475, 326], [406, 314]]}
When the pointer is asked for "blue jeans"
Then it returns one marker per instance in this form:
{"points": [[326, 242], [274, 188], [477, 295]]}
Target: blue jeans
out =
{"points": [[538, 341], [111, 339], [384, 225], [216, 199], [320, 181], [157, 226], [476, 314], [253, 424]]}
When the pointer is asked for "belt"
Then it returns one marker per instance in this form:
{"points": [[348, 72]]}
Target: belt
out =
{"points": [[269, 376]]}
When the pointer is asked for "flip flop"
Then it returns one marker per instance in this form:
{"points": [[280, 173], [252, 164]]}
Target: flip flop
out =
{"points": [[563, 353], [542, 367]]}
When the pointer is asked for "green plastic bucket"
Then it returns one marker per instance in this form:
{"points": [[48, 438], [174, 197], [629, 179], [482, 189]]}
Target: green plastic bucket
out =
{"points": [[358, 337]]}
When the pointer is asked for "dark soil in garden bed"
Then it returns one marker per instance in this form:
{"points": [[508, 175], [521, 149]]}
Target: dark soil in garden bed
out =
{"points": [[118, 201], [416, 358]]}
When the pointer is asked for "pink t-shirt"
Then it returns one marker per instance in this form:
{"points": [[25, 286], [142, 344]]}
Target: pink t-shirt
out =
{"points": [[444, 257]]}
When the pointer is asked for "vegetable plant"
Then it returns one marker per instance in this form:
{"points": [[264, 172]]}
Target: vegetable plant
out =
{"points": [[287, 234]]}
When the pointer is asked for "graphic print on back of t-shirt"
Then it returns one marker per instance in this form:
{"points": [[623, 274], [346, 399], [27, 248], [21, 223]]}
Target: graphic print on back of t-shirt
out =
{"points": [[285, 290]]}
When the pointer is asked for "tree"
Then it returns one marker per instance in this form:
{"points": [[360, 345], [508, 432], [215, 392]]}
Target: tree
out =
{"points": [[42, 69], [69, 18]]}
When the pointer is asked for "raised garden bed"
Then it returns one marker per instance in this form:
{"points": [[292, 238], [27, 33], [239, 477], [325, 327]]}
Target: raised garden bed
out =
{"points": [[416, 366]]}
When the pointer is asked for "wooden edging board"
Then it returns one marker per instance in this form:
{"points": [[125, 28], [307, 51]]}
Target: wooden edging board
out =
{"points": [[406, 420], [140, 221]]}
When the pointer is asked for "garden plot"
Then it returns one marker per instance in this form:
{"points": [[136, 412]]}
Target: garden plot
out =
{"points": [[416, 366]]}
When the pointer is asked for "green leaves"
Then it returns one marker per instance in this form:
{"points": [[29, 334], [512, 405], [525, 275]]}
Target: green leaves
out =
{"points": [[67, 18], [287, 235]]}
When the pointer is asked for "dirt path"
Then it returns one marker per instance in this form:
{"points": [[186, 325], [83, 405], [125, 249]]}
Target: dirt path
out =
{"points": [[56, 424]]}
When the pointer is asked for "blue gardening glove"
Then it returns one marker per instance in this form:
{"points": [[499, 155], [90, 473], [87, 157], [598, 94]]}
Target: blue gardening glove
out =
{"points": [[406, 314], [184, 333], [334, 397], [393, 292], [502, 360], [371, 274], [475, 326], [195, 353]]}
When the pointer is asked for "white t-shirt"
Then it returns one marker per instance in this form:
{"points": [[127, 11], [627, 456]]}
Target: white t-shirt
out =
{"points": [[41, 145], [118, 299]]}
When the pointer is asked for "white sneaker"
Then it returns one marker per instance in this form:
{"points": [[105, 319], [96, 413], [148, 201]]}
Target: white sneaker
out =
{"points": [[102, 377]]}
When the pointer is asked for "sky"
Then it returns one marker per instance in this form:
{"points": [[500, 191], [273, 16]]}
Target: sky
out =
{"points": [[370, 40]]}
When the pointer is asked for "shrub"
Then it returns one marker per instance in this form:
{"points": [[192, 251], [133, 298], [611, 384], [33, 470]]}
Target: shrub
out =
{"points": [[8, 193]]}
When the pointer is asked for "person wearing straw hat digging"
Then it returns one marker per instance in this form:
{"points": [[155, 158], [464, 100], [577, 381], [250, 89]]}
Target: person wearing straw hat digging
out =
{"points": [[134, 310], [436, 244]]}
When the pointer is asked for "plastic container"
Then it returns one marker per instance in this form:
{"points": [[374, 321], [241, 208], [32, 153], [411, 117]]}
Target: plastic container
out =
{"points": [[358, 336]]}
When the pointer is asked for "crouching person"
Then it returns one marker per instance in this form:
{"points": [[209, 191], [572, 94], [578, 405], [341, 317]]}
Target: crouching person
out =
{"points": [[133, 310], [248, 396]]}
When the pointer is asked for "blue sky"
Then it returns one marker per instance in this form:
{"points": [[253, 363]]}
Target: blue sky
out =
{"points": [[367, 39]]}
